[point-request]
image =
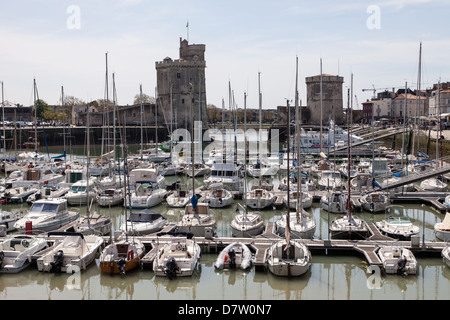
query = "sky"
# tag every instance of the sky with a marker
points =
(63, 44)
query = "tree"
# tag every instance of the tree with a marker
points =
(145, 99)
(43, 111)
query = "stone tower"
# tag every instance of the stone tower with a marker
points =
(185, 77)
(332, 102)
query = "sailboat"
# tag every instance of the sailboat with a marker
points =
(197, 218)
(289, 257)
(258, 197)
(348, 226)
(302, 225)
(245, 223)
(122, 255)
(89, 223)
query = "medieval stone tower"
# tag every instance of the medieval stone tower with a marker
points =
(332, 101)
(184, 81)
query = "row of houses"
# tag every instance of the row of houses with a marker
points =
(406, 104)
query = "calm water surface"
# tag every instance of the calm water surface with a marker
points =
(341, 277)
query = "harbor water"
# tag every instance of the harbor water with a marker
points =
(331, 277)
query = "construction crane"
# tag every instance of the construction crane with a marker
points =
(375, 91)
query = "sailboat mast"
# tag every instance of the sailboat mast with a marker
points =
(3, 123)
(297, 129)
(321, 105)
(438, 113)
(260, 126)
(64, 126)
(245, 151)
(287, 232)
(348, 153)
(142, 114)
(35, 117)
(87, 166)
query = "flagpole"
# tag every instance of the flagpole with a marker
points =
(187, 27)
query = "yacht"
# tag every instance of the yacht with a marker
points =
(178, 257)
(228, 174)
(397, 260)
(259, 198)
(334, 202)
(375, 202)
(330, 179)
(147, 194)
(398, 227)
(47, 215)
(143, 222)
(288, 258)
(16, 250)
(218, 197)
(73, 253)
(197, 219)
(82, 192)
(246, 224)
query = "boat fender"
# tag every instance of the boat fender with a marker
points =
(30, 166)
(225, 258)
(130, 255)
(2, 257)
(68, 167)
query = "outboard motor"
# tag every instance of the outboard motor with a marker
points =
(232, 257)
(121, 265)
(57, 263)
(2, 257)
(172, 268)
(401, 263)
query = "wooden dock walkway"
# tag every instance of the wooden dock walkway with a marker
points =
(259, 245)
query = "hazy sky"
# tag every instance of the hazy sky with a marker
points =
(63, 43)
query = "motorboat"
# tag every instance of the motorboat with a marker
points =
(259, 198)
(302, 225)
(9, 218)
(147, 194)
(288, 258)
(294, 199)
(73, 253)
(47, 215)
(178, 257)
(113, 181)
(397, 260)
(17, 194)
(16, 252)
(35, 176)
(48, 191)
(442, 229)
(246, 223)
(197, 219)
(143, 222)
(398, 227)
(218, 197)
(110, 197)
(82, 192)
(375, 202)
(234, 255)
(167, 168)
(334, 202)
(122, 256)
